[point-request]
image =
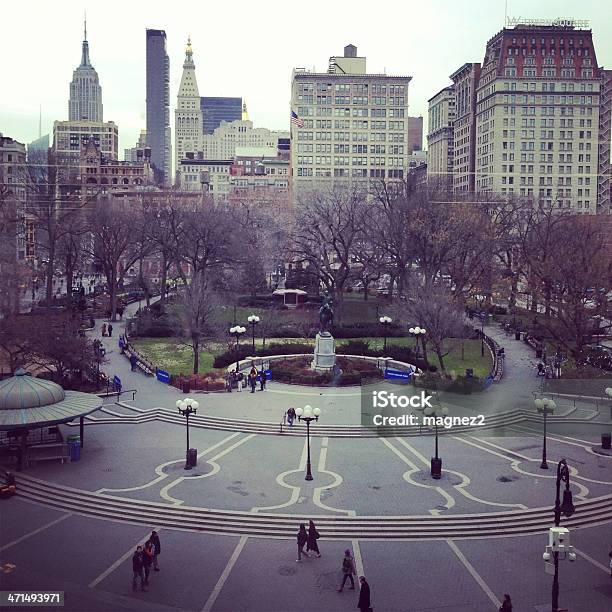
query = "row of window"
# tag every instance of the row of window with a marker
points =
(346, 148)
(357, 88)
(341, 160)
(567, 73)
(394, 173)
(344, 136)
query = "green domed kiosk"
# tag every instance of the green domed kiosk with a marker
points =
(28, 403)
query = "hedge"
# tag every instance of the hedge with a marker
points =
(297, 371)
(275, 348)
(460, 384)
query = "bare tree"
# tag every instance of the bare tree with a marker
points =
(115, 246)
(198, 309)
(328, 227)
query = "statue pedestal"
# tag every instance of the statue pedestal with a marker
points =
(324, 355)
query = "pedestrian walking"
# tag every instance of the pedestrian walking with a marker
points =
(313, 536)
(110, 330)
(302, 538)
(506, 604)
(133, 361)
(147, 560)
(104, 330)
(291, 416)
(137, 568)
(253, 379)
(154, 539)
(348, 569)
(364, 595)
(610, 555)
(239, 379)
(262, 379)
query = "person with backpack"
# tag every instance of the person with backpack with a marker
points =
(364, 595)
(302, 538)
(291, 416)
(506, 604)
(154, 539)
(348, 569)
(262, 379)
(313, 536)
(137, 568)
(147, 560)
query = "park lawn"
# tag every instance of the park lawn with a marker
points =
(172, 355)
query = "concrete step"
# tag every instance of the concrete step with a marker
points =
(592, 512)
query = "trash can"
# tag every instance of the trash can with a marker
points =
(186, 386)
(192, 457)
(436, 468)
(74, 444)
(517, 335)
(606, 439)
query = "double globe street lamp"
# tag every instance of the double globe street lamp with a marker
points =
(237, 331)
(385, 321)
(187, 407)
(544, 406)
(253, 320)
(418, 332)
(308, 414)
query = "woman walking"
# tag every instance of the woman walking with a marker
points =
(313, 536)
(348, 570)
(302, 538)
(506, 604)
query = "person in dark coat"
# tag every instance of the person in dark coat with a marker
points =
(253, 379)
(506, 604)
(302, 538)
(262, 380)
(313, 536)
(147, 560)
(364, 595)
(154, 539)
(348, 570)
(110, 330)
(137, 568)
(291, 416)
(133, 361)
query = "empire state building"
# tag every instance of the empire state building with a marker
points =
(85, 102)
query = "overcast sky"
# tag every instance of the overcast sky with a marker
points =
(246, 48)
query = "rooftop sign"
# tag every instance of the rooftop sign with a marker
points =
(558, 22)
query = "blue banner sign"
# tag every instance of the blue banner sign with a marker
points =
(162, 376)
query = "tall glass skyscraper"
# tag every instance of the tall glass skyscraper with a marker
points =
(218, 109)
(158, 106)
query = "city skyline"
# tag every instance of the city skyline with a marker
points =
(395, 46)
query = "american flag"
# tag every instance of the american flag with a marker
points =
(296, 120)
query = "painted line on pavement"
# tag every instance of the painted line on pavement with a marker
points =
(212, 598)
(592, 561)
(36, 531)
(358, 558)
(96, 581)
(477, 577)
(310, 394)
(280, 480)
(338, 480)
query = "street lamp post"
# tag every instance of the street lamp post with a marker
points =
(436, 462)
(385, 322)
(544, 406)
(418, 332)
(558, 537)
(481, 300)
(609, 394)
(187, 407)
(253, 320)
(237, 331)
(308, 414)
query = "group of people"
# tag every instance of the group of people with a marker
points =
(107, 330)
(235, 379)
(143, 559)
(309, 539)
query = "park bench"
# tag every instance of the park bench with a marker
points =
(48, 452)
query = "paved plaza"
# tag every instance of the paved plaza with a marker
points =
(228, 526)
